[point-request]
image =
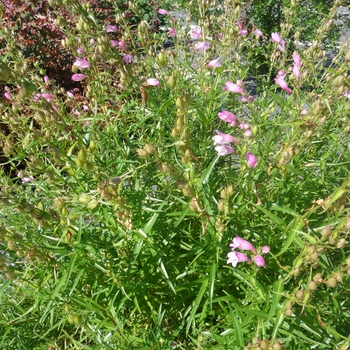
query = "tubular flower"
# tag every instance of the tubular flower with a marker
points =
(172, 32)
(282, 84)
(228, 117)
(232, 87)
(78, 77)
(152, 82)
(224, 150)
(235, 257)
(251, 159)
(195, 32)
(259, 260)
(241, 243)
(81, 63)
(110, 28)
(223, 139)
(163, 12)
(214, 63)
(201, 46)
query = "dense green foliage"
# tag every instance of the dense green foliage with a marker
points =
(117, 211)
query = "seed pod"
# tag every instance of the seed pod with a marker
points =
(300, 294)
(150, 149)
(312, 285)
(142, 153)
(318, 278)
(332, 282)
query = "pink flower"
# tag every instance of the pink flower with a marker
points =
(172, 32)
(281, 73)
(228, 117)
(251, 159)
(46, 79)
(86, 108)
(245, 100)
(152, 81)
(235, 257)
(243, 32)
(222, 139)
(122, 45)
(47, 97)
(81, 63)
(235, 88)
(282, 84)
(55, 107)
(92, 41)
(244, 126)
(265, 249)
(296, 71)
(163, 12)
(127, 59)
(259, 260)
(70, 94)
(80, 51)
(201, 46)
(214, 63)
(257, 32)
(195, 32)
(224, 150)
(37, 97)
(241, 243)
(297, 60)
(114, 43)
(347, 93)
(25, 179)
(248, 133)
(78, 77)
(7, 93)
(276, 38)
(110, 28)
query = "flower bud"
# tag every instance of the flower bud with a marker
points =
(94, 203)
(84, 198)
(162, 59)
(171, 81)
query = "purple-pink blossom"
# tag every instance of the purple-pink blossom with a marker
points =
(297, 65)
(81, 63)
(228, 117)
(172, 32)
(201, 46)
(279, 80)
(163, 12)
(46, 79)
(152, 81)
(235, 257)
(257, 32)
(222, 139)
(232, 87)
(127, 59)
(195, 32)
(224, 150)
(347, 93)
(241, 243)
(259, 260)
(80, 51)
(251, 159)
(277, 39)
(214, 63)
(47, 97)
(110, 28)
(78, 77)
(70, 94)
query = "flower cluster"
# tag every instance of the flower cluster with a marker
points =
(222, 140)
(234, 257)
